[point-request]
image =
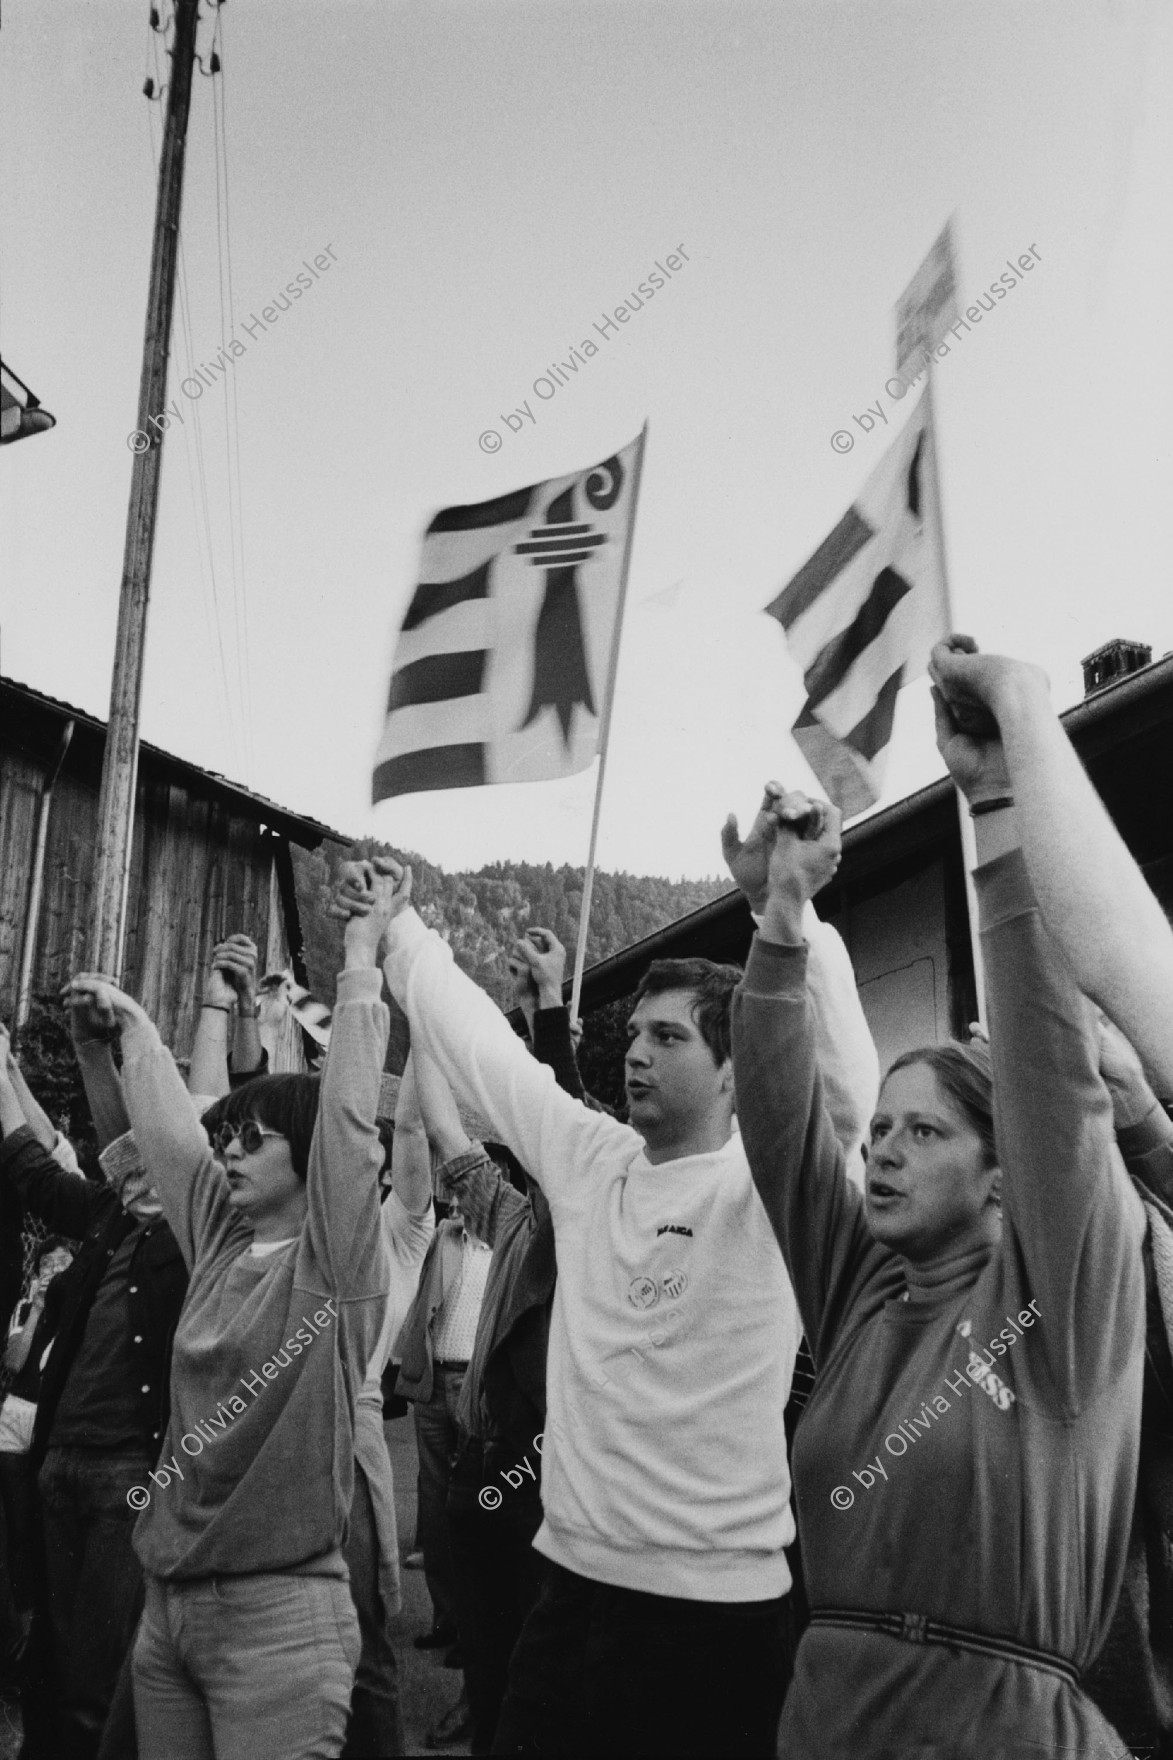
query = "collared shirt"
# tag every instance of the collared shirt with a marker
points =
(456, 1323)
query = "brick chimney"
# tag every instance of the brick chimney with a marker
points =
(1116, 659)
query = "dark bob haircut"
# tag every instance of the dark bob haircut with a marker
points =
(712, 987)
(288, 1104)
(967, 1076)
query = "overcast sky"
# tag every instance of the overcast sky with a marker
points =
(490, 178)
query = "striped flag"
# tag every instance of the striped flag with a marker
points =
(928, 306)
(20, 412)
(503, 660)
(862, 615)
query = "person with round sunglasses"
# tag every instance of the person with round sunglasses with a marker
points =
(249, 1639)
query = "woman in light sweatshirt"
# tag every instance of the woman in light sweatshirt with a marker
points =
(965, 1469)
(249, 1640)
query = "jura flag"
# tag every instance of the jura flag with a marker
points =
(928, 305)
(861, 618)
(503, 660)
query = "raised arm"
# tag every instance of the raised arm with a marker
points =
(93, 1036)
(843, 1043)
(469, 1176)
(346, 1155)
(485, 1063)
(1144, 1130)
(1073, 1223)
(61, 1200)
(542, 958)
(844, 1046)
(1095, 901)
(34, 1114)
(411, 1158)
(167, 1132)
(794, 1155)
(239, 965)
(208, 1073)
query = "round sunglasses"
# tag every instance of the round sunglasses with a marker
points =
(252, 1136)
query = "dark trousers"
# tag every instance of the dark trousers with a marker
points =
(38, 1697)
(94, 1584)
(18, 1494)
(436, 1438)
(600, 1670)
(375, 1727)
(497, 1575)
(120, 1736)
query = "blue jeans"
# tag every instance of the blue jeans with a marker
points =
(94, 1583)
(245, 1668)
(376, 1722)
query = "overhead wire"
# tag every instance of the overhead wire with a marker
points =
(193, 442)
(231, 406)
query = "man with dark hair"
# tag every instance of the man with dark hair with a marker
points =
(711, 987)
(661, 1625)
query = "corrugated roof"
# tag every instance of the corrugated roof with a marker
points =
(281, 818)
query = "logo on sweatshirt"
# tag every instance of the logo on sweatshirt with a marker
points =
(643, 1292)
(674, 1283)
(673, 1228)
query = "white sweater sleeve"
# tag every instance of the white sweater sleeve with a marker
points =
(844, 1047)
(487, 1066)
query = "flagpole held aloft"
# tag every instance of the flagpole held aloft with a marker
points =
(965, 824)
(584, 915)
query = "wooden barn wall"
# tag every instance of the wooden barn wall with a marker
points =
(20, 791)
(198, 873)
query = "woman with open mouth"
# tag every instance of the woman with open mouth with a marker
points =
(965, 1469)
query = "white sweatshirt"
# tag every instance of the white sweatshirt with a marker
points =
(674, 1327)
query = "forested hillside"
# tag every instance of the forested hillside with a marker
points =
(481, 914)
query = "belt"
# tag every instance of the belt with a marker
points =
(448, 1363)
(917, 1628)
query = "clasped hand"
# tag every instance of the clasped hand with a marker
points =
(793, 848)
(370, 895)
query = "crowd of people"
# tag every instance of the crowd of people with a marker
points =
(796, 1411)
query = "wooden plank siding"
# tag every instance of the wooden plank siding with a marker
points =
(206, 861)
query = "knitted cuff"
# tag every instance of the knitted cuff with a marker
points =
(119, 1159)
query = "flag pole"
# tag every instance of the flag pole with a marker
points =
(584, 915)
(965, 823)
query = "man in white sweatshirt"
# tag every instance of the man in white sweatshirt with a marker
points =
(662, 1625)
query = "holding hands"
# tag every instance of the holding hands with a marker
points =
(232, 976)
(371, 894)
(793, 849)
(537, 965)
(91, 1020)
(98, 1008)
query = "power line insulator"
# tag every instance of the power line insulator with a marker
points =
(154, 17)
(214, 64)
(148, 88)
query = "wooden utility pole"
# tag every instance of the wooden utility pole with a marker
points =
(120, 764)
